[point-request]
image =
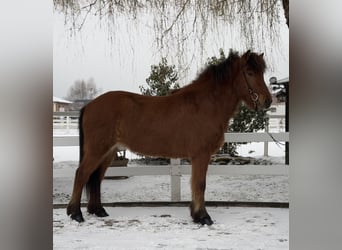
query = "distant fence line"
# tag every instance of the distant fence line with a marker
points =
(175, 170)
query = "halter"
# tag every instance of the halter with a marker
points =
(254, 96)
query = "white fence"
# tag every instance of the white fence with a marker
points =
(176, 170)
(68, 122)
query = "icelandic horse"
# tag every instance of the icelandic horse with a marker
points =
(189, 123)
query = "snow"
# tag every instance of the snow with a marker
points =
(60, 100)
(234, 228)
(171, 228)
(157, 188)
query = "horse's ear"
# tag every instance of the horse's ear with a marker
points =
(262, 55)
(247, 54)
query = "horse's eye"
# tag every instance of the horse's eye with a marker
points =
(250, 73)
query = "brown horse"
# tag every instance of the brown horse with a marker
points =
(189, 123)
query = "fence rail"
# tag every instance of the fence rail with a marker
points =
(175, 170)
(72, 140)
(69, 121)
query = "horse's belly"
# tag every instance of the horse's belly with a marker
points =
(172, 145)
(159, 148)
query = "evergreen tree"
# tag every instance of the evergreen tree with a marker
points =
(162, 80)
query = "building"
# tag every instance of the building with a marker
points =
(279, 89)
(60, 105)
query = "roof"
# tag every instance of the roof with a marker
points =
(286, 79)
(60, 100)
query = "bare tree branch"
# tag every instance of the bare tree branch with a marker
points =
(191, 21)
(177, 17)
(89, 7)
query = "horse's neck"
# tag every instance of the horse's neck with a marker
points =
(229, 102)
(223, 96)
(223, 99)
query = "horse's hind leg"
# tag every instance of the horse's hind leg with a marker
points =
(94, 188)
(198, 211)
(83, 172)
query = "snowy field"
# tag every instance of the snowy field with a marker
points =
(235, 228)
(171, 228)
(157, 188)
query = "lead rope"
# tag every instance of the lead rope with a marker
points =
(278, 143)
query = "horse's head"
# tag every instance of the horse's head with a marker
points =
(250, 81)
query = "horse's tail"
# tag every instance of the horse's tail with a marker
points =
(81, 135)
(94, 177)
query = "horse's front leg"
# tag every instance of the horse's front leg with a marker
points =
(198, 183)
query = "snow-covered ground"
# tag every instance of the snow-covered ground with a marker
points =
(171, 227)
(157, 188)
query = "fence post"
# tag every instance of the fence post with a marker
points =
(175, 180)
(68, 124)
(266, 143)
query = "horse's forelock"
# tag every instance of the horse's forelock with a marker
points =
(256, 62)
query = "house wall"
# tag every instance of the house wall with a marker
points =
(60, 107)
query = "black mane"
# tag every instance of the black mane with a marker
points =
(222, 71)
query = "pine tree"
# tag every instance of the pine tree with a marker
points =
(162, 80)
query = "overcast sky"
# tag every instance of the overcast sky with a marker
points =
(125, 63)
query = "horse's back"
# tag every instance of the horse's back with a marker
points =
(133, 111)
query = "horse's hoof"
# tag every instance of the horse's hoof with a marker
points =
(101, 213)
(77, 217)
(206, 221)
